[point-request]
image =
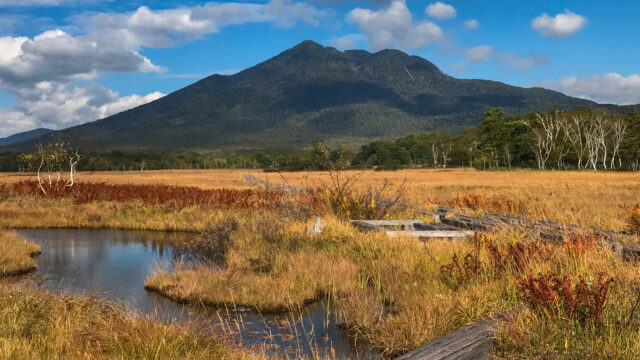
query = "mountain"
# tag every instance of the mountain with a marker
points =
(23, 136)
(313, 92)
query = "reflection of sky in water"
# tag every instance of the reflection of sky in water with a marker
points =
(114, 265)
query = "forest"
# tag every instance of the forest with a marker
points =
(581, 139)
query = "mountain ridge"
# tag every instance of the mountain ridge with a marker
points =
(312, 92)
(24, 136)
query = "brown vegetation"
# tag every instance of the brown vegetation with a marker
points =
(555, 293)
(40, 325)
(162, 195)
(17, 256)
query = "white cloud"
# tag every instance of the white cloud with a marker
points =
(560, 25)
(126, 102)
(165, 28)
(440, 10)
(480, 53)
(471, 24)
(60, 106)
(347, 42)
(611, 88)
(57, 56)
(41, 71)
(393, 27)
(484, 53)
(523, 64)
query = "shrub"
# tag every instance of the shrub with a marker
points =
(553, 293)
(215, 243)
(374, 203)
(576, 244)
(516, 256)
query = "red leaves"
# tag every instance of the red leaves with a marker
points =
(556, 294)
(578, 245)
(161, 195)
(517, 255)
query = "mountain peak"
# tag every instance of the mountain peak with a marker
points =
(312, 92)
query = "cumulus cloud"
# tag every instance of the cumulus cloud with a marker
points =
(610, 88)
(560, 25)
(440, 10)
(57, 56)
(165, 28)
(471, 24)
(484, 53)
(41, 70)
(60, 106)
(393, 27)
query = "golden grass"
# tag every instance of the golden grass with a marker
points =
(39, 325)
(595, 199)
(17, 256)
(537, 334)
(388, 291)
(206, 179)
(392, 293)
(28, 212)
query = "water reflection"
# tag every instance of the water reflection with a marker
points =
(113, 265)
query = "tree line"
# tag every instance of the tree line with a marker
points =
(578, 139)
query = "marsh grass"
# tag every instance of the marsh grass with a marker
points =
(35, 324)
(17, 256)
(392, 292)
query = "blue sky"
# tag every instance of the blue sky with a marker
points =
(65, 62)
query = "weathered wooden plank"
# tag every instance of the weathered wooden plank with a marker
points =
(473, 341)
(433, 234)
(376, 225)
(393, 222)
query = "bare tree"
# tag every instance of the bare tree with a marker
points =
(56, 158)
(574, 129)
(618, 131)
(74, 159)
(545, 128)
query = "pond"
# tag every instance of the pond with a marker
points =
(114, 264)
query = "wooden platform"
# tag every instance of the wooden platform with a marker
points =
(473, 341)
(413, 228)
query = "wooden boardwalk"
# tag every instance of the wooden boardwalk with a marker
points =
(412, 228)
(473, 341)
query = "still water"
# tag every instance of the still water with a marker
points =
(114, 264)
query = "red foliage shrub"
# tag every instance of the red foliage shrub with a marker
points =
(557, 294)
(161, 195)
(579, 244)
(516, 256)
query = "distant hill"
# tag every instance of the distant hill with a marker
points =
(313, 92)
(23, 136)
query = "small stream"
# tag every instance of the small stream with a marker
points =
(114, 264)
